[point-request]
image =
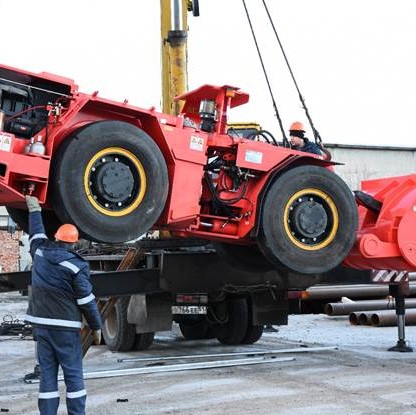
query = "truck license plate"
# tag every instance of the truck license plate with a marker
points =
(189, 309)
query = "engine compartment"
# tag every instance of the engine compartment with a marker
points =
(24, 100)
(25, 112)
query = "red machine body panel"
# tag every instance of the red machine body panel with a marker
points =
(215, 184)
(184, 145)
(386, 238)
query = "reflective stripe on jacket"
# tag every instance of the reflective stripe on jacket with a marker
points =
(61, 290)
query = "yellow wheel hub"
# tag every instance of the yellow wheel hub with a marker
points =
(311, 219)
(114, 181)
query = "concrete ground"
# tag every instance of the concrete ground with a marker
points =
(358, 378)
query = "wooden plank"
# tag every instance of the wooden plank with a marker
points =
(105, 307)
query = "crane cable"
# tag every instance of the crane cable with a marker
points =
(317, 136)
(285, 140)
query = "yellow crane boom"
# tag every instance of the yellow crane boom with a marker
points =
(174, 32)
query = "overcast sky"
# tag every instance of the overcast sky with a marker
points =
(354, 60)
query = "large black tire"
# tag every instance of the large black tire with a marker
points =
(195, 327)
(109, 179)
(118, 334)
(21, 217)
(244, 258)
(309, 220)
(193, 332)
(233, 331)
(253, 334)
(143, 341)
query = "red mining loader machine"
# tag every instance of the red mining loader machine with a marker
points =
(117, 171)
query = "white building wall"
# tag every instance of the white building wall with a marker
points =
(361, 163)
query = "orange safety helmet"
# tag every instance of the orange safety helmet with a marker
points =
(67, 233)
(297, 126)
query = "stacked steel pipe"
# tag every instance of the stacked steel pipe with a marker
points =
(380, 313)
(376, 312)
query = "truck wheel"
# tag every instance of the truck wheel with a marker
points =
(194, 327)
(21, 217)
(309, 220)
(143, 341)
(118, 334)
(253, 333)
(243, 258)
(110, 180)
(233, 331)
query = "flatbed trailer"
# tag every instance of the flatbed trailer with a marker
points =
(188, 283)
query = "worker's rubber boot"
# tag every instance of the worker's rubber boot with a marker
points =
(270, 329)
(48, 403)
(35, 375)
(75, 404)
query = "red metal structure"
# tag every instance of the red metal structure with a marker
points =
(386, 236)
(116, 171)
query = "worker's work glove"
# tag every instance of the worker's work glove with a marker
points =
(33, 204)
(96, 337)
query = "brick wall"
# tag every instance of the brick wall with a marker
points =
(9, 251)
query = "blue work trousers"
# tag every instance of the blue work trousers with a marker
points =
(60, 348)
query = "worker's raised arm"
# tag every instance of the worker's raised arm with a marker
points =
(37, 233)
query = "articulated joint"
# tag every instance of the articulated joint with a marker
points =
(177, 37)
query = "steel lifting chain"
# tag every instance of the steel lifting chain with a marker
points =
(285, 140)
(317, 136)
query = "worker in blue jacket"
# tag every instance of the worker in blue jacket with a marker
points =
(298, 140)
(61, 294)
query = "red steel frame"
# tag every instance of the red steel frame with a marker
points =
(385, 239)
(184, 148)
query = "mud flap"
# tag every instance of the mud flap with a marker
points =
(150, 313)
